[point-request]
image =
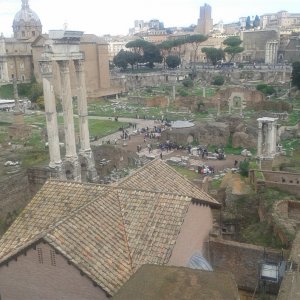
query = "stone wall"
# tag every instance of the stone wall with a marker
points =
(242, 260)
(129, 82)
(212, 133)
(250, 97)
(285, 181)
(14, 196)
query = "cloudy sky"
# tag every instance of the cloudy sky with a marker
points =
(117, 16)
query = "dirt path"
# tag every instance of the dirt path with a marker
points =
(138, 139)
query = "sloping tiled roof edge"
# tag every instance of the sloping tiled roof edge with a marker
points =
(6, 258)
(212, 203)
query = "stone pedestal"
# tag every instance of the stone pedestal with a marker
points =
(71, 155)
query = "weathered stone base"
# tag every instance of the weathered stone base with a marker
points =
(87, 163)
(72, 168)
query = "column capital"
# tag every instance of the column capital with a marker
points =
(63, 66)
(46, 68)
(79, 65)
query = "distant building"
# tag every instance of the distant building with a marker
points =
(280, 20)
(141, 26)
(260, 46)
(20, 55)
(205, 22)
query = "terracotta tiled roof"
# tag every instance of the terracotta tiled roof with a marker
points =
(107, 232)
(152, 224)
(159, 176)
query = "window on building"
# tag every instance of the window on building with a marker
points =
(53, 257)
(23, 33)
(33, 33)
(40, 255)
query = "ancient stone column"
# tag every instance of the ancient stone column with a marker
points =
(272, 138)
(218, 106)
(71, 155)
(259, 139)
(85, 148)
(51, 119)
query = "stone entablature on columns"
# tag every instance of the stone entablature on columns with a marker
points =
(63, 48)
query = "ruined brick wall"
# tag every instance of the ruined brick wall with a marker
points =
(14, 194)
(37, 176)
(116, 158)
(285, 181)
(251, 97)
(242, 260)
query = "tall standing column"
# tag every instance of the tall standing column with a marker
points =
(85, 148)
(51, 120)
(71, 155)
(259, 139)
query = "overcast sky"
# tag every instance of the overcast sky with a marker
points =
(117, 16)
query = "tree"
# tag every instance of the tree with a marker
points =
(137, 46)
(213, 54)
(296, 74)
(173, 61)
(133, 58)
(36, 91)
(165, 49)
(195, 40)
(248, 23)
(152, 55)
(120, 60)
(233, 46)
(256, 22)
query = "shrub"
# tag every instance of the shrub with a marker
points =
(187, 82)
(183, 93)
(218, 80)
(244, 167)
(266, 89)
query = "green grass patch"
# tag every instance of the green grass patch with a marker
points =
(261, 234)
(271, 195)
(6, 91)
(101, 128)
(215, 184)
(34, 157)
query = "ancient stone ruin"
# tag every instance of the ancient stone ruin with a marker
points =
(63, 49)
(267, 137)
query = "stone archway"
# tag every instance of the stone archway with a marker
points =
(236, 101)
(190, 139)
